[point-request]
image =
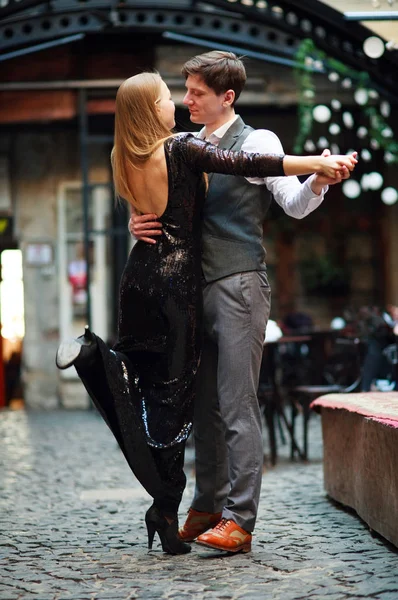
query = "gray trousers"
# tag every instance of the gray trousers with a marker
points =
(227, 424)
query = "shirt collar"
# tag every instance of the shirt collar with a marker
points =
(219, 133)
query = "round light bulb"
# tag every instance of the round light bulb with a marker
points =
(361, 96)
(321, 113)
(373, 94)
(374, 47)
(387, 132)
(385, 109)
(309, 146)
(362, 132)
(366, 155)
(375, 181)
(346, 83)
(351, 188)
(334, 129)
(348, 120)
(322, 142)
(365, 182)
(389, 195)
(389, 157)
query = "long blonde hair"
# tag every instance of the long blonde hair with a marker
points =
(139, 130)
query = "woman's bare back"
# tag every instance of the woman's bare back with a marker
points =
(149, 184)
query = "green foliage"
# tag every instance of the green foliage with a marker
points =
(308, 54)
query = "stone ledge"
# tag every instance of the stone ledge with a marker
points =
(361, 457)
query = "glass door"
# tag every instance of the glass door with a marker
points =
(72, 268)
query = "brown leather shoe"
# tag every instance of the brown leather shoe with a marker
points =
(197, 522)
(228, 536)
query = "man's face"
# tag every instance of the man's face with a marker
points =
(205, 106)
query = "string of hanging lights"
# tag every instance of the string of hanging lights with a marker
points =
(364, 123)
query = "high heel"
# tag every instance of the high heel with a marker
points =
(79, 352)
(168, 532)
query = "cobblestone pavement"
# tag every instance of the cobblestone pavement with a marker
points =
(71, 527)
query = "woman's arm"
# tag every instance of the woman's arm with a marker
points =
(328, 165)
(202, 156)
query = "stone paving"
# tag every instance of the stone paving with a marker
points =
(71, 527)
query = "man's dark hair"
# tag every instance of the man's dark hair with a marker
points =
(220, 71)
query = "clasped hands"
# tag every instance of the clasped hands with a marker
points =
(334, 169)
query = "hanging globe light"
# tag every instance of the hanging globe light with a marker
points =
(373, 94)
(335, 149)
(351, 188)
(309, 146)
(366, 155)
(365, 182)
(374, 144)
(346, 83)
(389, 195)
(336, 104)
(374, 47)
(387, 132)
(321, 113)
(374, 121)
(308, 93)
(322, 142)
(361, 96)
(389, 157)
(333, 76)
(385, 109)
(362, 132)
(375, 180)
(348, 120)
(334, 129)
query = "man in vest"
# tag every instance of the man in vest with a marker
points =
(227, 425)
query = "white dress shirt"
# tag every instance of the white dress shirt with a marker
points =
(297, 199)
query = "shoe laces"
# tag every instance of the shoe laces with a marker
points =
(221, 525)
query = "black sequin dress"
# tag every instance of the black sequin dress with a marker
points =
(145, 387)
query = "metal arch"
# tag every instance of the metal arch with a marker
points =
(102, 16)
(327, 27)
(274, 26)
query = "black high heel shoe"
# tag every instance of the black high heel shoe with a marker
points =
(79, 352)
(168, 532)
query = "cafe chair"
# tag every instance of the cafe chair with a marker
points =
(272, 405)
(342, 374)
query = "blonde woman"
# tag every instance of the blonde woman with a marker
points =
(144, 387)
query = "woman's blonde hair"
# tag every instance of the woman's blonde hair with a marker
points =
(138, 128)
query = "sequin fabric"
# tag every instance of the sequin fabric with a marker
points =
(147, 399)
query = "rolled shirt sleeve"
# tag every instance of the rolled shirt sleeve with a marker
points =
(297, 199)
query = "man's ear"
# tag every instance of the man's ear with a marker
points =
(229, 97)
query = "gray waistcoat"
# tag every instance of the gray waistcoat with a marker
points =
(233, 216)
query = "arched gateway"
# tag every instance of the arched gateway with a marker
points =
(253, 26)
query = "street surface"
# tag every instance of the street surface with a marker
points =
(72, 527)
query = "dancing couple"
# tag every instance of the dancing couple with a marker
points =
(194, 301)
